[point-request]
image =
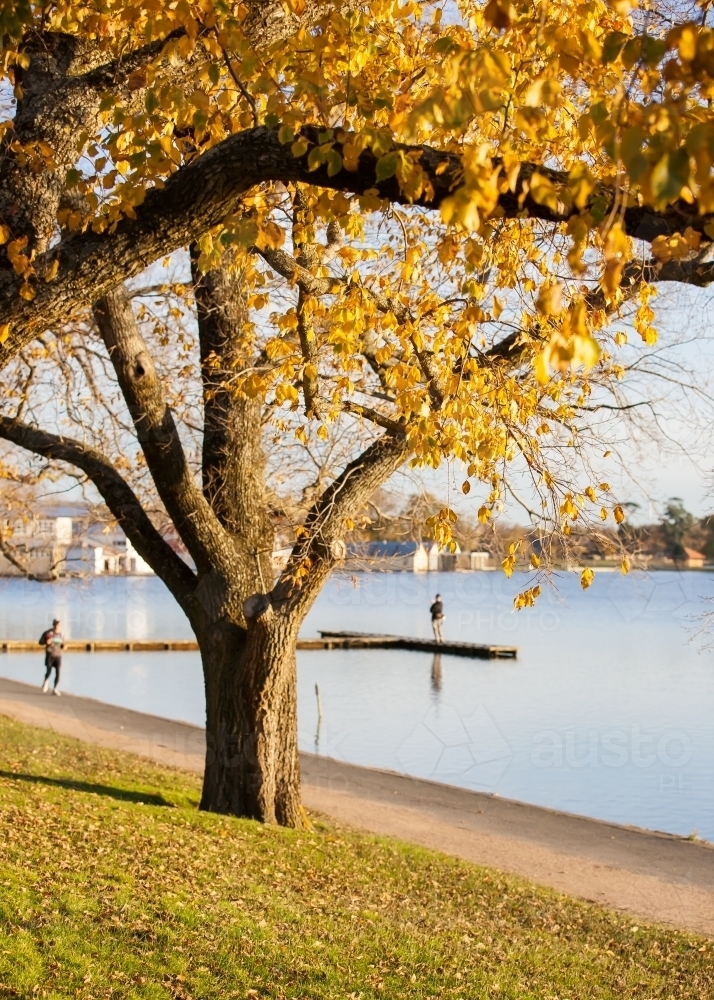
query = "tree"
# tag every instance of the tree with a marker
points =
(456, 215)
(676, 524)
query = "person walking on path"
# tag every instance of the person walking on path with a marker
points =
(437, 617)
(53, 641)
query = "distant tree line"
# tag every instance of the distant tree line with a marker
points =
(396, 517)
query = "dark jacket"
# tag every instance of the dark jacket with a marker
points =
(437, 610)
(52, 641)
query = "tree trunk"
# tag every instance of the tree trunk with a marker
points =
(252, 764)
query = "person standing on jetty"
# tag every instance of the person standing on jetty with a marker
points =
(53, 641)
(437, 617)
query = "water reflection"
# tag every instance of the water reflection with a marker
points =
(436, 673)
(319, 718)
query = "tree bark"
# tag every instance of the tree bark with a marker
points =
(252, 763)
(249, 666)
(233, 459)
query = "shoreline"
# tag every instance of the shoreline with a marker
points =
(372, 568)
(651, 875)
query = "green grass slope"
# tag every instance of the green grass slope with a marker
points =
(112, 885)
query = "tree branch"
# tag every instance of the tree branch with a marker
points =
(63, 88)
(322, 544)
(157, 433)
(287, 267)
(206, 191)
(119, 498)
(309, 284)
(10, 554)
(394, 427)
(308, 346)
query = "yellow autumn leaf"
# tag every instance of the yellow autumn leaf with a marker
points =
(581, 184)
(462, 208)
(499, 14)
(586, 578)
(550, 299)
(544, 192)
(527, 598)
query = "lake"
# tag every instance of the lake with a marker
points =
(607, 711)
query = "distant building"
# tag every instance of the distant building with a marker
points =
(420, 560)
(694, 559)
(82, 559)
(41, 539)
(113, 554)
(404, 557)
(443, 561)
(388, 556)
(56, 541)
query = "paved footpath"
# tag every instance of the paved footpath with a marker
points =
(649, 875)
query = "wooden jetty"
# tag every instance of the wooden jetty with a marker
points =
(327, 640)
(103, 645)
(366, 640)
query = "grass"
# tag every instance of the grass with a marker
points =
(112, 884)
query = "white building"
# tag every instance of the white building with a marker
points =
(441, 560)
(420, 559)
(39, 540)
(114, 555)
(52, 542)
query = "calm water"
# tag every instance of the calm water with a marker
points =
(606, 712)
